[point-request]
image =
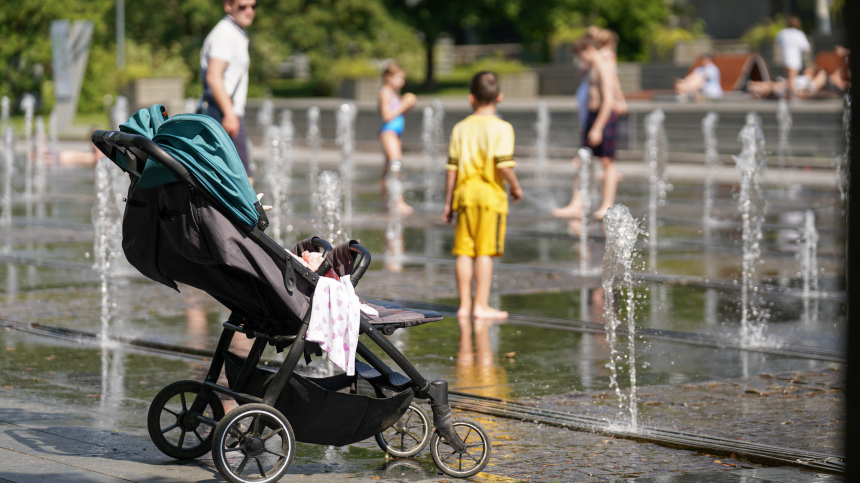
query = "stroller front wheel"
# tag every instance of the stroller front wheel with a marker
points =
(471, 461)
(172, 429)
(408, 436)
(253, 443)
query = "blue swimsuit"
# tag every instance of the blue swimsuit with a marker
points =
(398, 123)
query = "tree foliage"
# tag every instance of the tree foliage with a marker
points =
(165, 36)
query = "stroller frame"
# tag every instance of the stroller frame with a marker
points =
(139, 150)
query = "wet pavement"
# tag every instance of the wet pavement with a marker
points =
(71, 410)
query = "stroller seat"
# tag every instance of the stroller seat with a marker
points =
(393, 316)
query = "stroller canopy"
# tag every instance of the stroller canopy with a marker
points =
(203, 147)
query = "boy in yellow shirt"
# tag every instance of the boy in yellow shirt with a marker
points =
(480, 161)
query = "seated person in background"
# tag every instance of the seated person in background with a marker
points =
(807, 84)
(704, 81)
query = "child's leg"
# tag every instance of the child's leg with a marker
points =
(483, 284)
(610, 186)
(464, 269)
(393, 153)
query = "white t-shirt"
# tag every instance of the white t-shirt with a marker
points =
(228, 42)
(793, 43)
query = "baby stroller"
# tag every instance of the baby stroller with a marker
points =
(191, 217)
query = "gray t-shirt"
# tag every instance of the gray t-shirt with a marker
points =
(228, 42)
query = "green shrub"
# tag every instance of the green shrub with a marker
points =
(763, 33)
(663, 38)
(497, 64)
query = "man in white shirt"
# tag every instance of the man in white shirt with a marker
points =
(224, 63)
(794, 43)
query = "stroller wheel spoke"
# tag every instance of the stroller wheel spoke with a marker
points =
(276, 454)
(171, 412)
(470, 456)
(242, 465)
(233, 450)
(260, 467)
(460, 459)
(172, 426)
(182, 398)
(181, 438)
(449, 456)
(266, 437)
(467, 435)
(402, 441)
(255, 426)
(413, 438)
(199, 438)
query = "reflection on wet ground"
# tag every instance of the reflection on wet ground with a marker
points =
(49, 279)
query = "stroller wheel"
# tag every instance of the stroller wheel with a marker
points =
(173, 429)
(468, 463)
(408, 436)
(253, 443)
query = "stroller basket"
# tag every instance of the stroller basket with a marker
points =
(323, 410)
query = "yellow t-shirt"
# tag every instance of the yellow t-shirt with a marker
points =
(480, 146)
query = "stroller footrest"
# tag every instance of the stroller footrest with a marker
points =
(375, 377)
(393, 316)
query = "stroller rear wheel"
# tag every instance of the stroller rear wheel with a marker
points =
(471, 461)
(253, 443)
(408, 436)
(175, 431)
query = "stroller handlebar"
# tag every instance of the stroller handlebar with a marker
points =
(108, 141)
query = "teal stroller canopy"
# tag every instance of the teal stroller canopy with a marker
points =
(204, 148)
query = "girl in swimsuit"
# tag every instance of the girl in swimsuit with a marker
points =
(392, 108)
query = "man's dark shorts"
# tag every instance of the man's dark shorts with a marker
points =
(607, 148)
(241, 139)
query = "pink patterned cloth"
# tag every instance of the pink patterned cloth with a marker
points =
(335, 319)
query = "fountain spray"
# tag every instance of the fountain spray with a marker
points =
(287, 132)
(274, 166)
(40, 174)
(430, 155)
(656, 158)
(584, 155)
(8, 171)
(752, 206)
(541, 150)
(346, 140)
(712, 160)
(327, 204)
(622, 232)
(28, 105)
(313, 140)
(394, 230)
(808, 254)
(783, 145)
(844, 159)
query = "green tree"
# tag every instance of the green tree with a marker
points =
(25, 30)
(329, 31)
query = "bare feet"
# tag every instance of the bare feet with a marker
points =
(405, 210)
(489, 313)
(465, 311)
(573, 210)
(598, 215)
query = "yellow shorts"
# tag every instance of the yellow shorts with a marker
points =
(480, 231)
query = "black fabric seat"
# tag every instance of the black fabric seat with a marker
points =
(393, 316)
